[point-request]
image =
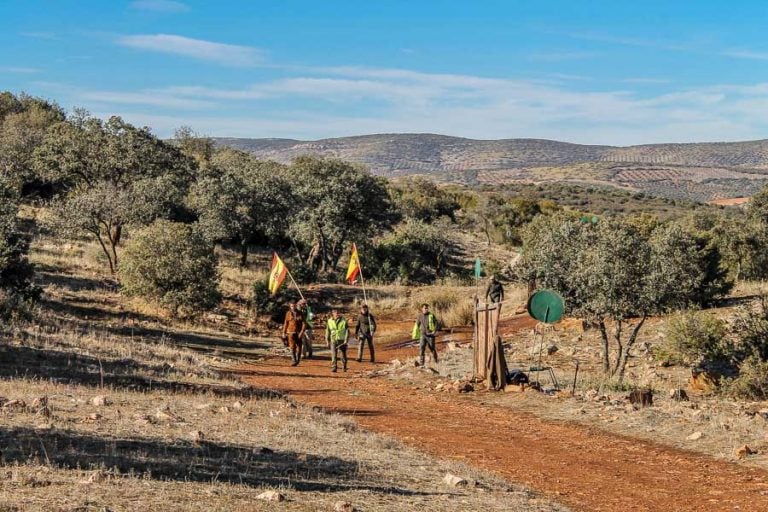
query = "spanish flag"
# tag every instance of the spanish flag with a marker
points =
(354, 266)
(276, 274)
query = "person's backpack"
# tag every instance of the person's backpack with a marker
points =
(517, 376)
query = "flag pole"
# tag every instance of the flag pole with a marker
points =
(294, 283)
(365, 297)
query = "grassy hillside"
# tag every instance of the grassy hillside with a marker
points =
(700, 172)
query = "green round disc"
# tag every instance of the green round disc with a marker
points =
(546, 306)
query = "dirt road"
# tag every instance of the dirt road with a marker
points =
(583, 467)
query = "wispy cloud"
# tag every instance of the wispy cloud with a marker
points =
(159, 6)
(225, 54)
(561, 56)
(646, 80)
(629, 41)
(21, 70)
(315, 103)
(148, 98)
(745, 54)
(40, 35)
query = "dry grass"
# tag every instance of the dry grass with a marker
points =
(177, 433)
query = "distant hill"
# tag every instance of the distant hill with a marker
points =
(698, 171)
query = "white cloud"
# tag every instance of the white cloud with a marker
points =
(646, 80)
(21, 70)
(40, 35)
(142, 98)
(561, 56)
(338, 101)
(226, 54)
(745, 54)
(159, 6)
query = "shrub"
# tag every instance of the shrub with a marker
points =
(752, 382)
(694, 337)
(750, 328)
(264, 303)
(17, 289)
(172, 264)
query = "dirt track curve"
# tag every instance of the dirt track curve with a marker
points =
(580, 466)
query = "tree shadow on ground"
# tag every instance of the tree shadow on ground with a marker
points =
(128, 324)
(47, 275)
(72, 368)
(185, 461)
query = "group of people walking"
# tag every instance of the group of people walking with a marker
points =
(299, 322)
(298, 334)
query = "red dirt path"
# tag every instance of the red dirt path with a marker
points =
(580, 466)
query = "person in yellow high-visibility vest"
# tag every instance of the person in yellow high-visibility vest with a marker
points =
(337, 337)
(425, 330)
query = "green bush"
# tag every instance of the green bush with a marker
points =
(264, 303)
(17, 289)
(752, 381)
(174, 265)
(694, 337)
(750, 328)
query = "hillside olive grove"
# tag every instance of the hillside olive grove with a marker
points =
(110, 182)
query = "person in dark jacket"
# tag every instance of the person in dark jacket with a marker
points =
(495, 290)
(309, 318)
(293, 330)
(366, 326)
(425, 330)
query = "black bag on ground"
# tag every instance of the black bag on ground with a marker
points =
(517, 376)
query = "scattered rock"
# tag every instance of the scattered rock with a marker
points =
(100, 401)
(552, 349)
(678, 395)
(343, 506)
(451, 346)
(41, 401)
(396, 363)
(238, 405)
(97, 477)
(165, 414)
(15, 405)
(695, 436)
(142, 419)
(263, 450)
(94, 416)
(591, 394)
(271, 496)
(703, 380)
(744, 451)
(196, 436)
(465, 387)
(217, 319)
(200, 407)
(454, 481)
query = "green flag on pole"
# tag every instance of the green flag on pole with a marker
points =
(478, 268)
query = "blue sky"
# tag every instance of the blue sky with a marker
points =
(599, 72)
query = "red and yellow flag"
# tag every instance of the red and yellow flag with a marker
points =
(354, 265)
(276, 274)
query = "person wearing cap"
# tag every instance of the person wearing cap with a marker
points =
(366, 326)
(425, 330)
(495, 290)
(337, 337)
(309, 317)
(293, 330)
